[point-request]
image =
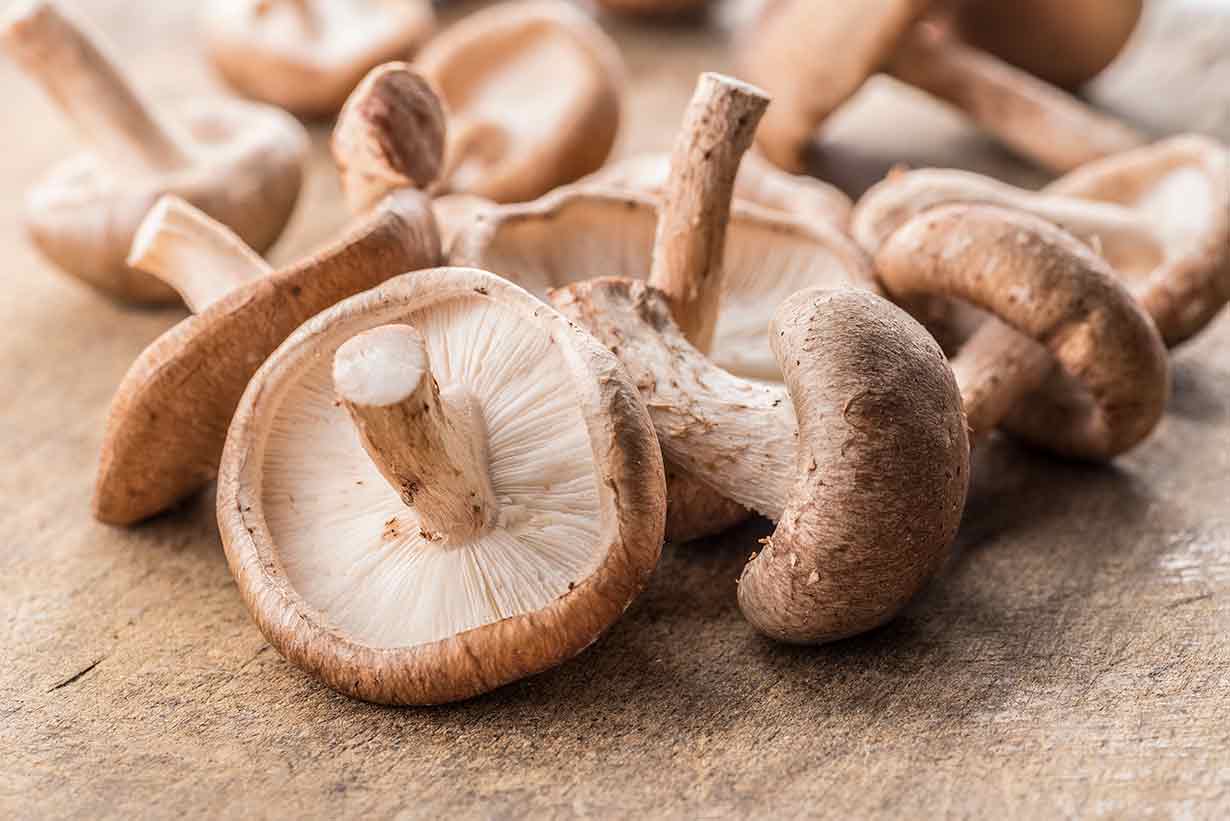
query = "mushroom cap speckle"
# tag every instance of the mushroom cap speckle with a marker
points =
(584, 232)
(509, 146)
(330, 560)
(167, 423)
(270, 55)
(247, 171)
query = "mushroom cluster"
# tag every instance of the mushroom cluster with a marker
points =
(450, 445)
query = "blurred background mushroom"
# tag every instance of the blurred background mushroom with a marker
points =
(306, 55)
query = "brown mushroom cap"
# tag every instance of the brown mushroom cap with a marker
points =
(507, 145)
(1049, 287)
(861, 457)
(1160, 215)
(856, 39)
(759, 183)
(584, 232)
(240, 163)
(307, 55)
(654, 8)
(168, 420)
(328, 557)
(1065, 42)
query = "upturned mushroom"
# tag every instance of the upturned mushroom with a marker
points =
(307, 55)
(1160, 215)
(588, 231)
(241, 163)
(438, 487)
(1053, 302)
(533, 92)
(167, 423)
(814, 59)
(1065, 42)
(758, 183)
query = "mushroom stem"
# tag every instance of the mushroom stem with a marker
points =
(431, 447)
(1032, 117)
(389, 136)
(195, 254)
(687, 255)
(996, 368)
(82, 79)
(302, 8)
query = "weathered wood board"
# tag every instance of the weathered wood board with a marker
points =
(1074, 660)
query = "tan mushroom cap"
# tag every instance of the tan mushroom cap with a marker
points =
(861, 457)
(330, 559)
(1066, 42)
(307, 55)
(1048, 287)
(759, 183)
(788, 34)
(585, 232)
(533, 91)
(168, 420)
(1160, 215)
(240, 163)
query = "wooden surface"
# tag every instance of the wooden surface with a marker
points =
(1074, 660)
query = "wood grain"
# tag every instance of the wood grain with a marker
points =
(1074, 660)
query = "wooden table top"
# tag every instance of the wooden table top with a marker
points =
(1074, 658)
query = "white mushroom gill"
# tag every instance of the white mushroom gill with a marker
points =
(352, 549)
(592, 236)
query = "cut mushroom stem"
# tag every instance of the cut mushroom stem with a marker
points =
(195, 254)
(430, 447)
(88, 87)
(1030, 116)
(390, 135)
(718, 128)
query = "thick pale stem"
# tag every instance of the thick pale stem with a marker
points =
(431, 448)
(76, 72)
(195, 254)
(687, 256)
(996, 368)
(1034, 118)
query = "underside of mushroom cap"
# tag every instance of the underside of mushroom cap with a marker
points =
(269, 52)
(329, 558)
(759, 183)
(1181, 188)
(585, 232)
(867, 491)
(508, 146)
(247, 173)
(167, 423)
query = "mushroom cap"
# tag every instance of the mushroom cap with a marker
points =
(272, 56)
(246, 173)
(1160, 215)
(784, 39)
(1052, 288)
(508, 145)
(861, 457)
(1065, 42)
(1181, 187)
(584, 232)
(654, 8)
(168, 420)
(329, 558)
(759, 182)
